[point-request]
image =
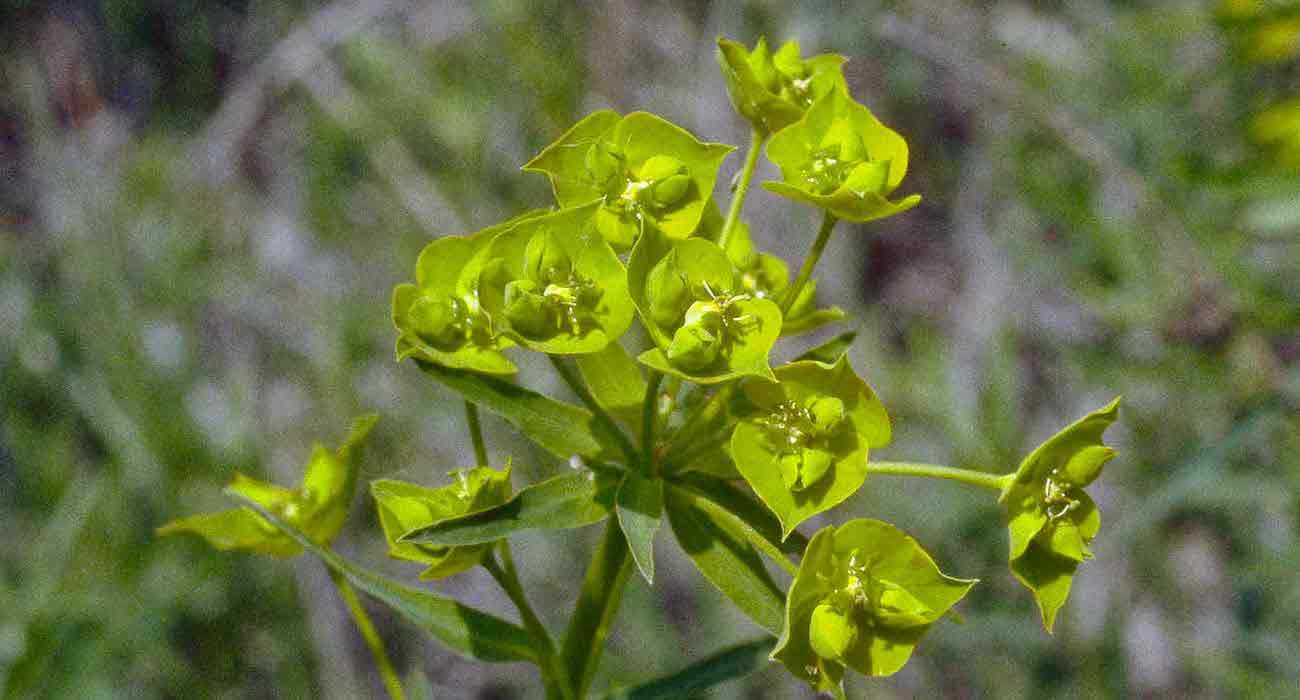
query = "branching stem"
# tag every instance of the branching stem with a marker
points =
(810, 262)
(476, 434)
(650, 419)
(934, 471)
(756, 139)
(552, 667)
(574, 383)
(370, 635)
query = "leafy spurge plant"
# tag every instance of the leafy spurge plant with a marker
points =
(697, 428)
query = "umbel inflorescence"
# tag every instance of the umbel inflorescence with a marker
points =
(696, 428)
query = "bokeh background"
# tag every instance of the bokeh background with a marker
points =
(204, 205)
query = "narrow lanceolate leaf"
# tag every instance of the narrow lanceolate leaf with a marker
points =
(723, 555)
(737, 662)
(745, 507)
(560, 428)
(830, 351)
(615, 379)
(640, 510)
(463, 629)
(560, 503)
(756, 522)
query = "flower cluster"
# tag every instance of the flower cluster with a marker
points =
(635, 233)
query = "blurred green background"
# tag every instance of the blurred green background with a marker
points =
(205, 204)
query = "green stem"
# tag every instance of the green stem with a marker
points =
(810, 262)
(602, 591)
(606, 421)
(649, 419)
(700, 420)
(756, 138)
(553, 670)
(934, 471)
(476, 434)
(370, 635)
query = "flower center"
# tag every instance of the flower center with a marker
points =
(827, 170)
(1057, 501)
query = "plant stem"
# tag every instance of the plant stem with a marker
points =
(370, 635)
(810, 262)
(756, 138)
(602, 591)
(557, 677)
(649, 419)
(700, 420)
(476, 434)
(606, 421)
(934, 471)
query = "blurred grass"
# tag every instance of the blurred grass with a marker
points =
(178, 301)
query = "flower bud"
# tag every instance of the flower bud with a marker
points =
(667, 292)
(790, 463)
(545, 260)
(659, 168)
(693, 348)
(815, 465)
(527, 310)
(438, 321)
(1085, 465)
(618, 226)
(670, 190)
(830, 632)
(895, 607)
(604, 161)
(826, 412)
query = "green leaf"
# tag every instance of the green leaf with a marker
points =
(580, 307)
(830, 351)
(602, 591)
(736, 662)
(1050, 518)
(640, 509)
(840, 158)
(331, 479)
(883, 592)
(238, 528)
(616, 382)
(747, 517)
(722, 553)
(319, 506)
(756, 517)
(559, 503)
(560, 428)
(773, 91)
(1048, 576)
(565, 161)
(812, 320)
(462, 629)
(404, 507)
(762, 450)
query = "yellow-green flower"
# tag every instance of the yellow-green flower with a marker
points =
(864, 595)
(772, 90)
(317, 507)
(404, 507)
(1051, 519)
(840, 158)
